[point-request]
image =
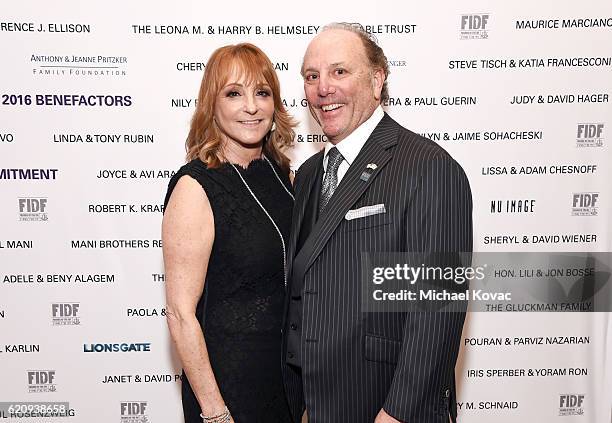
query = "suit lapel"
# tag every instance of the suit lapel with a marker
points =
(311, 213)
(302, 197)
(350, 189)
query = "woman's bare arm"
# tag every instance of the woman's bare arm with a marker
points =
(188, 233)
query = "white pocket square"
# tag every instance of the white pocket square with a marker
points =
(365, 211)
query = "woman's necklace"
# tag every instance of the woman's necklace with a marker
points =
(266, 212)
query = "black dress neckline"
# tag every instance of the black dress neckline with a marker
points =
(253, 165)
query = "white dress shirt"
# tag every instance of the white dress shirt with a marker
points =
(351, 145)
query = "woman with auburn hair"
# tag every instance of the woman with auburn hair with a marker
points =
(225, 232)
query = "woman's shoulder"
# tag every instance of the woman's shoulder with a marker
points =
(211, 180)
(201, 172)
(195, 167)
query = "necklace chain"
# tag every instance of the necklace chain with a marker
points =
(279, 179)
(268, 214)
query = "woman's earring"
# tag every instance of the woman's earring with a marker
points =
(273, 128)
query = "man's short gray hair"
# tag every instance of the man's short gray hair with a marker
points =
(374, 52)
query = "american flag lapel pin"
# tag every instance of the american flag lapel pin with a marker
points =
(368, 172)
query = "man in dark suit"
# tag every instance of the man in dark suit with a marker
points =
(376, 187)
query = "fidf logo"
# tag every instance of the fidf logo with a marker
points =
(474, 26)
(33, 209)
(585, 203)
(589, 135)
(41, 381)
(571, 405)
(65, 314)
(134, 412)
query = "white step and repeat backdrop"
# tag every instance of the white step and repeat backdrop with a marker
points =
(95, 103)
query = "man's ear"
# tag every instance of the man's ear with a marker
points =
(378, 79)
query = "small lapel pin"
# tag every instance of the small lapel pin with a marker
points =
(368, 172)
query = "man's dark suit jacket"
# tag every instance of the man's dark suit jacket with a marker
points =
(354, 363)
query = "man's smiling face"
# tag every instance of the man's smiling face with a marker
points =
(341, 87)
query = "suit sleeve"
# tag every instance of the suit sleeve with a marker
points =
(438, 219)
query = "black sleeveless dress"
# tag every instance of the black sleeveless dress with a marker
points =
(241, 308)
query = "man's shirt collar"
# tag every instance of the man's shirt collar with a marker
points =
(351, 145)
